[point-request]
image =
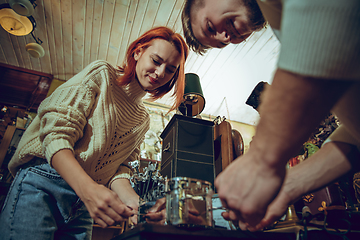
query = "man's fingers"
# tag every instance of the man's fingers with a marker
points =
(122, 210)
(112, 215)
(159, 205)
(242, 226)
(100, 222)
(156, 216)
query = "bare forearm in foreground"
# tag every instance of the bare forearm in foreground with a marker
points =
(291, 109)
(324, 167)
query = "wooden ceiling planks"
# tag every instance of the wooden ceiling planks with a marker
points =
(75, 33)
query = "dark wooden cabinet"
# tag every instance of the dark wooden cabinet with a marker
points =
(188, 148)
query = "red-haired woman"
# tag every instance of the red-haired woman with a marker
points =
(71, 163)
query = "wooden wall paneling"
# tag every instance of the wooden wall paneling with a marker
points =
(96, 30)
(202, 60)
(128, 28)
(147, 19)
(117, 30)
(262, 40)
(208, 61)
(271, 49)
(138, 21)
(9, 52)
(78, 14)
(17, 49)
(89, 17)
(40, 33)
(50, 36)
(67, 31)
(248, 46)
(106, 23)
(35, 63)
(178, 24)
(27, 63)
(212, 72)
(190, 62)
(175, 14)
(58, 38)
(228, 54)
(164, 13)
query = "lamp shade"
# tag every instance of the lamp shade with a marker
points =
(194, 100)
(22, 7)
(14, 23)
(35, 50)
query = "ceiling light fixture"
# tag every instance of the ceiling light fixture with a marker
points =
(15, 19)
(23, 7)
(35, 49)
(14, 23)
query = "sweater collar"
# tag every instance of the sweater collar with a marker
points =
(134, 90)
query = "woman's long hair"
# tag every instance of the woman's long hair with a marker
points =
(144, 41)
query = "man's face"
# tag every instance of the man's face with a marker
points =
(219, 23)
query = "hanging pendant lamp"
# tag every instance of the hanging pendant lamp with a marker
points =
(14, 23)
(22, 7)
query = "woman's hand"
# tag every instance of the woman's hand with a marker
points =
(127, 195)
(104, 205)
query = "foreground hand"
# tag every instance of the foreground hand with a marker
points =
(104, 205)
(246, 187)
(157, 214)
(274, 212)
(194, 216)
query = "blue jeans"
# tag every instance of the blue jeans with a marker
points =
(41, 205)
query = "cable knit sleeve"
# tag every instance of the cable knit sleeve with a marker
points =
(63, 115)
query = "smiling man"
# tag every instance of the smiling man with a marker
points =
(213, 23)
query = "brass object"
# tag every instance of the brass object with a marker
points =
(184, 197)
(308, 198)
(291, 219)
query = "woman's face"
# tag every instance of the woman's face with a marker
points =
(157, 64)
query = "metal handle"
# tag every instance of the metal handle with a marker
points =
(167, 147)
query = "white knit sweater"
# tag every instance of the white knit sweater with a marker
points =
(102, 123)
(319, 38)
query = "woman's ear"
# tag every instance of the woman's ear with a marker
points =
(138, 54)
